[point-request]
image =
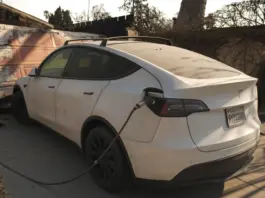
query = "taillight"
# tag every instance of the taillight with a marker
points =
(175, 107)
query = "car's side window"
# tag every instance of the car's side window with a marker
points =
(54, 66)
(84, 64)
(87, 63)
(117, 67)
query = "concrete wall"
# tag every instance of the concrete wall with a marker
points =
(23, 48)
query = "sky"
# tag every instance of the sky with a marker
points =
(169, 7)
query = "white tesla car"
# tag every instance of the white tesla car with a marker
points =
(199, 122)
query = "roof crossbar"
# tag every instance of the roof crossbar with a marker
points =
(83, 39)
(140, 38)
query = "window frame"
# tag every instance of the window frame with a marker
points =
(48, 58)
(137, 67)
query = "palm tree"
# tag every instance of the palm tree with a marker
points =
(191, 15)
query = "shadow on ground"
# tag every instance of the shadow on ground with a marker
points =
(44, 155)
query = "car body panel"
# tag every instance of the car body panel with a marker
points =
(215, 134)
(172, 150)
(41, 99)
(120, 97)
(75, 101)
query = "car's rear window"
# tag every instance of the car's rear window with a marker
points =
(179, 61)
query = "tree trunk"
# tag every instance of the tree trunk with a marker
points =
(191, 15)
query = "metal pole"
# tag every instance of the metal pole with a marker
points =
(133, 7)
(88, 10)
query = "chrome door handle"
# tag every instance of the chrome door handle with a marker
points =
(88, 93)
(51, 87)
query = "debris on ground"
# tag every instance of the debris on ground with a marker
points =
(3, 193)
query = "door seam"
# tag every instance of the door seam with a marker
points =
(92, 112)
(55, 102)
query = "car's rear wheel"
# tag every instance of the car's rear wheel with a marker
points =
(19, 108)
(112, 172)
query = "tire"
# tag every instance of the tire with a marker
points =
(19, 109)
(112, 172)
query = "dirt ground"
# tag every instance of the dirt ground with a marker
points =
(3, 193)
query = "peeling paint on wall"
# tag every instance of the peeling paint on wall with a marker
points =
(6, 52)
(5, 37)
(22, 48)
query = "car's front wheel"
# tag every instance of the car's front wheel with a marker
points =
(19, 108)
(112, 172)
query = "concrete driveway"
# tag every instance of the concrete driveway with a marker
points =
(41, 154)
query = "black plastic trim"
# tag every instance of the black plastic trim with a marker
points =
(105, 40)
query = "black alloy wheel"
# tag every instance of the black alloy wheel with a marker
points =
(112, 172)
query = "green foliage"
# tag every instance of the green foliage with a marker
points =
(61, 19)
(147, 19)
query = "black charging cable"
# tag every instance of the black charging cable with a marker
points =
(137, 106)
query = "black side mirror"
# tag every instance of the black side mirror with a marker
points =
(34, 72)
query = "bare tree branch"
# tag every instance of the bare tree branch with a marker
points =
(98, 12)
(245, 13)
(147, 19)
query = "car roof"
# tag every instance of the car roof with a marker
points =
(171, 58)
(166, 56)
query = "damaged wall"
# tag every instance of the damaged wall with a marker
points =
(23, 48)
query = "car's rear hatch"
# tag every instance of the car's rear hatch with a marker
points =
(230, 95)
(232, 118)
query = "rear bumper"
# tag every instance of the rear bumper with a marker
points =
(172, 154)
(215, 171)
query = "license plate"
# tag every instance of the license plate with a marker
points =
(235, 116)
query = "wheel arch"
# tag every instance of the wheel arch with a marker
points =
(94, 121)
(16, 88)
